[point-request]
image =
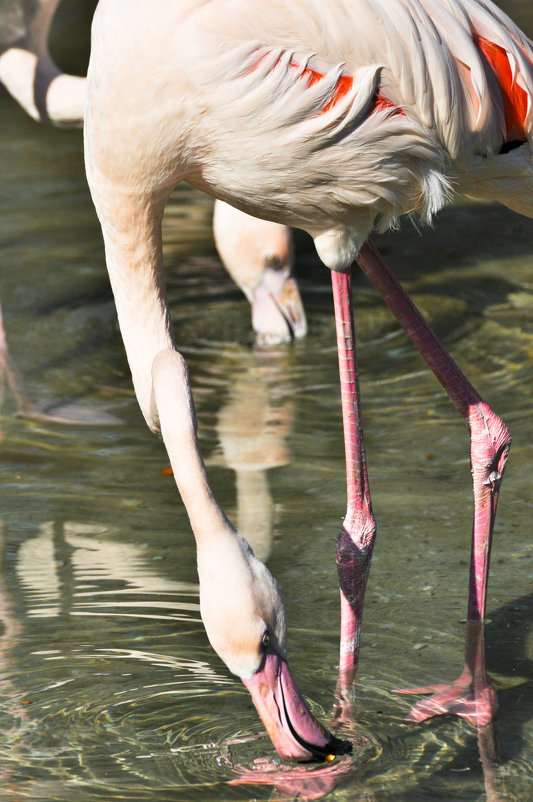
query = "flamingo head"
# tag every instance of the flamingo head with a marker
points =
(243, 614)
(258, 256)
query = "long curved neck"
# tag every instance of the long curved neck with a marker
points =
(131, 225)
(173, 405)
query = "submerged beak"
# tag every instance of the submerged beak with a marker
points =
(295, 733)
(277, 310)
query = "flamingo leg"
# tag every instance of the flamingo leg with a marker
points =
(489, 449)
(7, 367)
(355, 541)
(471, 696)
(75, 414)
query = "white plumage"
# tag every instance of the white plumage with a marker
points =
(235, 112)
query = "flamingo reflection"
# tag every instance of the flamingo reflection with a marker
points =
(252, 428)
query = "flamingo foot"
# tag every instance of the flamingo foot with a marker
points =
(464, 697)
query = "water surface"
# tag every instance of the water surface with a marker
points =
(109, 689)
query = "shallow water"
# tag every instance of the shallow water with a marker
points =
(108, 687)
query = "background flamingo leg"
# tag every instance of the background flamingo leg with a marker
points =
(68, 414)
(470, 696)
(14, 382)
(355, 541)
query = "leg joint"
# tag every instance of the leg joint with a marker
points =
(490, 444)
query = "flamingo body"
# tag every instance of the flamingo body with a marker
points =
(241, 104)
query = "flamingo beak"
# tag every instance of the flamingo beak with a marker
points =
(294, 731)
(277, 310)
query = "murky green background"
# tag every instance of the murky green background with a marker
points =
(108, 687)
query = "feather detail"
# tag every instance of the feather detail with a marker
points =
(357, 111)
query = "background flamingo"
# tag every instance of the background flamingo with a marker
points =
(337, 119)
(257, 254)
(27, 70)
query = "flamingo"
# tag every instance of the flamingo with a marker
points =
(257, 254)
(28, 71)
(337, 118)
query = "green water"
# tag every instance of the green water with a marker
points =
(108, 687)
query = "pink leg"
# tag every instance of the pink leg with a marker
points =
(355, 540)
(492, 762)
(13, 379)
(490, 443)
(471, 696)
(25, 408)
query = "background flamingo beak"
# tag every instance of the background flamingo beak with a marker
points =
(277, 310)
(294, 731)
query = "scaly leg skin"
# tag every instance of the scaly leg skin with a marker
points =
(355, 541)
(470, 696)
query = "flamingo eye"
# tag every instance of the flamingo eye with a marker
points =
(273, 262)
(265, 640)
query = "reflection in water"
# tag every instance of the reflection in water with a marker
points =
(107, 569)
(472, 697)
(252, 427)
(135, 700)
(11, 709)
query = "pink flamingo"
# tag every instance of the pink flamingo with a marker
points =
(334, 117)
(256, 253)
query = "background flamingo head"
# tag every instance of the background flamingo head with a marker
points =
(258, 256)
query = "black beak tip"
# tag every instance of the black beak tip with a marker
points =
(338, 747)
(335, 747)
